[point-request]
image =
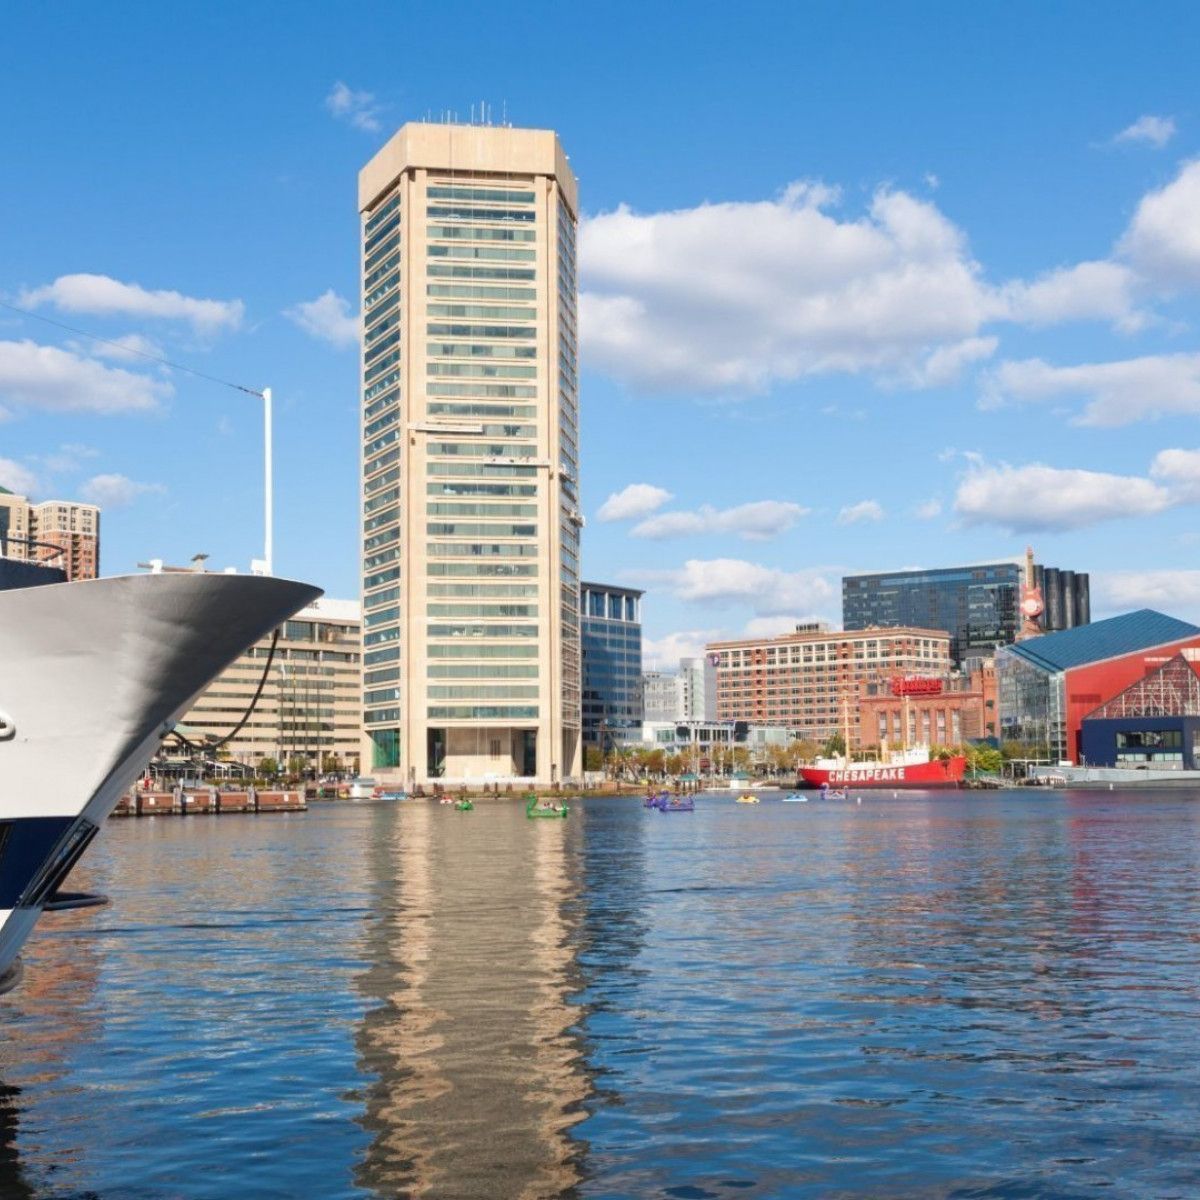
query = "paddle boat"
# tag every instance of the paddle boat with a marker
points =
(655, 799)
(544, 807)
(747, 798)
(828, 793)
(794, 798)
(464, 806)
(444, 799)
(391, 794)
(668, 803)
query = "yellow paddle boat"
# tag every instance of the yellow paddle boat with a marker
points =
(746, 798)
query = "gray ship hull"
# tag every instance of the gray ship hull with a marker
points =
(92, 675)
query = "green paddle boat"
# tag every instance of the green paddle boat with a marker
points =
(544, 808)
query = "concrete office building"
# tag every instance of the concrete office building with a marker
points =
(611, 634)
(660, 696)
(470, 536)
(811, 681)
(697, 689)
(977, 605)
(59, 533)
(310, 711)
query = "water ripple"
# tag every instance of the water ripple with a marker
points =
(952, 996)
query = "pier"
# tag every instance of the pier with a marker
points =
(196, 801)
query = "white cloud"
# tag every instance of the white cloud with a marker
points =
(1148, 130)
(1088, 291)
(328, 318)
(1115, 393)
(68, 457)
(100, 295)
(356, 108)
(767, 590)
(17, 478)
(756, 522)
(927, 510)
(664, 653)
(731, 297)
(636, 500)
(864, 510)
(1178, 470)
(56, 380)
(773, 626)
(1037, 497)
(1170, 591)
(1162, 242)
(946, 364)
(131, 347)
(116, 491)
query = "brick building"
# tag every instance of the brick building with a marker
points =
(944, 710)
(59, 533)
(811, 681)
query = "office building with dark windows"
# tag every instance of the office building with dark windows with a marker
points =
(977, 605)
(470, 453)
(611, 638)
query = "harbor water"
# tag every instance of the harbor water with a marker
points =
(968, 995)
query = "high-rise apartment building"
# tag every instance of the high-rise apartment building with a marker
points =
(60, 533)
(811, 681)
(611, 635)
(470, 419)
(977, 605)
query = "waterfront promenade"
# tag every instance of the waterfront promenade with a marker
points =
(985, 994)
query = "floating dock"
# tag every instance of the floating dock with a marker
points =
(186, 802)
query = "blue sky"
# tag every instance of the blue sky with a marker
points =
(865, 285)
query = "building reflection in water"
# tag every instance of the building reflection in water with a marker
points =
(479, 1072)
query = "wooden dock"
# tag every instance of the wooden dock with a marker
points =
(186, 802)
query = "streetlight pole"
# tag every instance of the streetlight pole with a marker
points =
(268, 485)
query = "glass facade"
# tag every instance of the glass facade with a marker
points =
(1032, 705)
(612, 665)
(978, 606)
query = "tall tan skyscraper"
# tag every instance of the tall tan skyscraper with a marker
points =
(470, 457)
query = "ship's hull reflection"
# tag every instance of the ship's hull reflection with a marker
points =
(480, 1074)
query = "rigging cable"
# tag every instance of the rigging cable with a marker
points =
(127, 349)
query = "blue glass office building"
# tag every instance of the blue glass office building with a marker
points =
(611, 638)
(978, 606)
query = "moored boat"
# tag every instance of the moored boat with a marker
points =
(93, 675)
(914, 768)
